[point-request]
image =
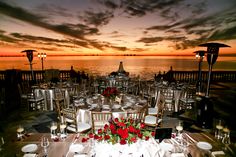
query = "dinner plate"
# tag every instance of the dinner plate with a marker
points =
(29, 148)
(76, 148)
(30, 155)
(106, 107)
(116, 106)
(204, 145)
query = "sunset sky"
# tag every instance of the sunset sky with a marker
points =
(143, 27)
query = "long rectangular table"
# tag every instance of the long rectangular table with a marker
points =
(61, 148)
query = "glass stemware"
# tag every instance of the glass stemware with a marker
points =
(1, 143)
(63, 130)
(179, 128)
(53, 129)
(226, 136)
(219, 128)
(45, 144)
(20, 131)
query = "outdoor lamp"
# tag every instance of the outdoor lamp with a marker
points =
(42, 57)
(30, 56)
(212, 55)
(200, 56)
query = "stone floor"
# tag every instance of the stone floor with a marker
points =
(223, 96)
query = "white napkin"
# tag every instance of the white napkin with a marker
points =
(30, 155)
(215, 153)
(177, 155)
(80, 155)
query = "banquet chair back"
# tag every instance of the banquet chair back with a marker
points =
(69, 117)
(155, 120)
(99, 119)
(136, 115)
(169, 98)
(35, 100)
(187, 99)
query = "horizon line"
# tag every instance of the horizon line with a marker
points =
(60, 55)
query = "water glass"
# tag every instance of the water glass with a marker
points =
(219, 129)
(53, 129)
(226, 136)
(1, 143)
(63, 130)
(179, 128)
(20, 131)
(45, 144)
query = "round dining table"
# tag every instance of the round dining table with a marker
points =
(98, 103)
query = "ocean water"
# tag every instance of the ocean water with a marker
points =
(144, 66)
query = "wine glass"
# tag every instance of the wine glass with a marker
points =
(20, 129)
(226, 136)
(179, 128)
(219, 128)
(1, 143)
(45, 144)
(63, 129)
(53, 129)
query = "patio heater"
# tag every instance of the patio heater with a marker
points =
(204, 103)
(212, 55)
(200, 56)
(30, 56)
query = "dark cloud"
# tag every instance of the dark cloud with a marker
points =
(226, 34)
(50, 41)
(110, 4)
(150, 40)
(142, 7)
(72, 30)
(8, 39)
(121, 48)
(77, 31)
(52, 10)
(97, 19)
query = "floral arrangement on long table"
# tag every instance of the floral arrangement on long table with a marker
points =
(122, 131)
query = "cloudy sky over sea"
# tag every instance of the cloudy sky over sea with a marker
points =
(116, 26)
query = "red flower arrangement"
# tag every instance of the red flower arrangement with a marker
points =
(123, 131)
(110, 92)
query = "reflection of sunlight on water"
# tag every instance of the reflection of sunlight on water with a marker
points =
(144, 66)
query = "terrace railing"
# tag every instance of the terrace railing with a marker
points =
(182, 76)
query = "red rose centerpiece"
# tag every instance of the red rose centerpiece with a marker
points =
(110, 92)
(122, 131)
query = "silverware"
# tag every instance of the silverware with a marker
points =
(191, 139)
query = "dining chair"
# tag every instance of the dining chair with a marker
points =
(58, 105)
(187, 99)
(99, 119)
(168, 93)
(70, 118)
(135, 115)
(155, 118)
(23, 95)
(35, 100)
